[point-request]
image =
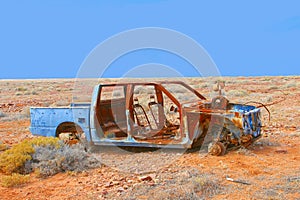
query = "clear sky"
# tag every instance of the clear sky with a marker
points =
(51, 38)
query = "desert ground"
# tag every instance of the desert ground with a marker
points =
(268, 169)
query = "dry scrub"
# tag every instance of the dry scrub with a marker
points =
(45, 156)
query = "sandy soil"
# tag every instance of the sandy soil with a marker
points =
(271, 166)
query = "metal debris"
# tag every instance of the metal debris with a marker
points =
(237, 181)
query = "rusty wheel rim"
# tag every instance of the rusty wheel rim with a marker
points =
(217, 149)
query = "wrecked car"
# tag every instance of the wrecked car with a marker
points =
(159, 114)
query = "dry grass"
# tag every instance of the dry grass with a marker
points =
(14, 159)
(61, 103)
(289, 186)
(24, 114)
(295, 134)
(3, 146)
(265, 142)
(14, 180)
(47, 160)
(291, 85)
(244, 151)
(44, 156)
(21, 89)
(237, 93)
(184, 184)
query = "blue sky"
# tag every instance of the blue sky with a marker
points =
(51, 38)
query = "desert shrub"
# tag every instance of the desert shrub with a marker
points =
(2, 114)
(206, 185)
(27, 93)
(46, 104)
(25, 113)
(266, 142)
(266, 79)
(291, 85)
(33, 92)
(14, 159)
(296, 134)
(269, 99)
(61, 103)
(244, 151)
(274, 87)
(3, 147)
(237, 93)
(49, 160)
(203, 85)
(143, 191)
(46, 156)
(185, 184)
(14, 180)
(17, 116)
(21, 89)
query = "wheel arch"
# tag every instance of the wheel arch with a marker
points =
(68, 126)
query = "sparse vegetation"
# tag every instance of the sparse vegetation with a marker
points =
(48, 160)
(274, 88)
(296, 134)
(3, 147)
(237, 93)
(14, 180)
(185, 184)
(45, 156)
(244, 151)
(291, 85)
(30, 93)
(48, 155)
(288, 187)
(21, 89)
(206, 185)
(2, 114)
(14, 159)
(61, 103)
(25, 114)
(269, 99)
(265, 142)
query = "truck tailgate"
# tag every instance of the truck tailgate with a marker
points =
(44, 121)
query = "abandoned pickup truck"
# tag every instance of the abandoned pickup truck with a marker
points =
(159, 114)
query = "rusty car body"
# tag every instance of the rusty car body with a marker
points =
(156, 114)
